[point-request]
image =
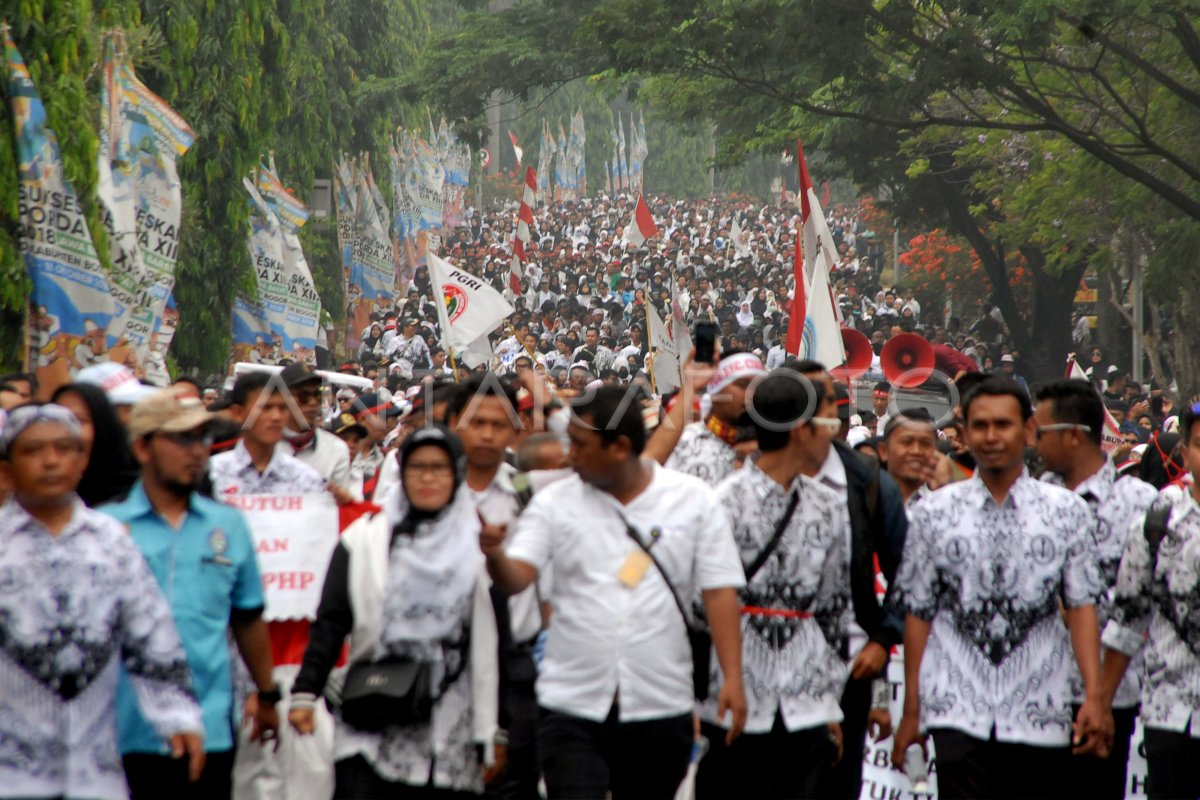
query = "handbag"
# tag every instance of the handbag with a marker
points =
(699, 636)
(377, 694)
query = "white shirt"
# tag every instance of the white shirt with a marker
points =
(989, 578)
(329, 456)
(606, 637)
(499, 506)
(1155, 611)
(1117, 504)
(792, 666)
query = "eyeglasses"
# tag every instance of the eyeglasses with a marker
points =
(189, 438)
(428, 470)
(1062, 426)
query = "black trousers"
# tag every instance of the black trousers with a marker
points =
(1173, 764)
(844, 781)
(355, 779)
(985, 770)
(1105, 778)
(519, 779)
(583, 760)
(769, 766)
(153, 777)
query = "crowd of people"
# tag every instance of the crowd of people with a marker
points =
(542, 577)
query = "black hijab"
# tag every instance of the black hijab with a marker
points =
(437, 436)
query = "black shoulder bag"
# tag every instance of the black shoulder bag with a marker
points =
(770, 547)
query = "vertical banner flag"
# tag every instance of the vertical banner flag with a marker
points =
(512, 137)
(303, 317)
(667, 361)
(372, 268)
(516, 273)
(71, 307)
(347, 212)
(622, 154)
(259, 318)
(641, 226)
(545, 156)
(560, 163)
(643, 151)
(141, 200)
(816, 335)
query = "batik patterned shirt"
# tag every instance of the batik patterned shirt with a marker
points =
(74, 608)
(700, 453)
(234, 473)
(1116, 504)
(1156, 610)
(989, 578)
(791, 664)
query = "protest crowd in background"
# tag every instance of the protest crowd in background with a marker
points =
(592, 495)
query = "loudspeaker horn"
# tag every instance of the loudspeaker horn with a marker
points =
(907, 360)
(859, 356)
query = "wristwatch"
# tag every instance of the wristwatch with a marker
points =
(270, 696)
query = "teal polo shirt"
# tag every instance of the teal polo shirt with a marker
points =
(206, 569)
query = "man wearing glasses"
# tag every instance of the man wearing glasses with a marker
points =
(202, 556)
(1069, 418)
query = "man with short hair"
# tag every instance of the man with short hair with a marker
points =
(77, 600)
(1070, 418)
(986, 653)
(408, 350)
(615, 685)
(909, 448)
(309, 442)
(790, 532)
(201, 552)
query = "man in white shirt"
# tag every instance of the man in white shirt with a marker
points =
(409, 350)
(987, 657)
(315, 446)
(616, 687)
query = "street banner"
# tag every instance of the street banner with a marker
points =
(141, 200)
(372, 262)
(294, 539)
(71, 306)
(302, 319)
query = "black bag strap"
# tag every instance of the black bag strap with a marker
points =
(637, 538)
(1155, 529)
(770, 547)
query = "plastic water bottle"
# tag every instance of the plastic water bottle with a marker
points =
(916, 769)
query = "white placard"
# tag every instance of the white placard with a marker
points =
(294, 538)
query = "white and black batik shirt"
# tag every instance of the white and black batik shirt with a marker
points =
(74, 608)
(234, 472)
(989, 578)
(1117, 504)
(790, 664)
(1160, 609)
(700, 453)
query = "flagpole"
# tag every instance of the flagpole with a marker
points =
(532, 355)
(649, 341)
(453, 363)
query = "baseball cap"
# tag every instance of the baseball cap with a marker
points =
(171, 410)
(346, 393)
(298, 374)
(345, 423)
(119, 383)
(1006, 359)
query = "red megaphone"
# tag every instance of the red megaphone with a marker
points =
(859, 355)
(907, 360)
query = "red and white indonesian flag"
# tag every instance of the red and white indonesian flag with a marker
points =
(516, 269)
(642, 226)
(470, 308)
(815, 320)
(512, 137)
(1110, 437)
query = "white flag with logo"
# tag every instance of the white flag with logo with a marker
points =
(470, 308)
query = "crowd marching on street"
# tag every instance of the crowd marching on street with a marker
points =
(556, 574)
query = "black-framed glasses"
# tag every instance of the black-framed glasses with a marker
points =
(1062, 426)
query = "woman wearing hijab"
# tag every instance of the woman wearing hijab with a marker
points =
(745, 317)
(758, 304)
(409, 584)
(111, 469)
(370, 344)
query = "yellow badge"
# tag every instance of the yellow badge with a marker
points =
(634, 568)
